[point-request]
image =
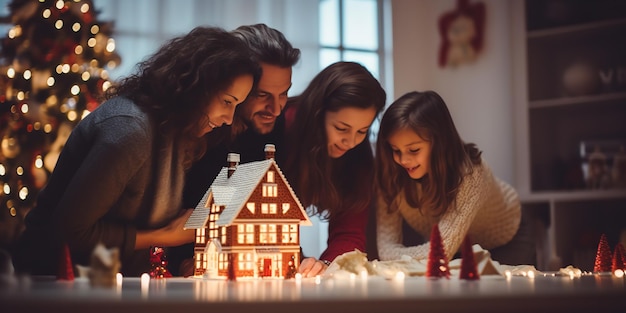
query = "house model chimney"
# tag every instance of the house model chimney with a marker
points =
(233, 161)
(270, 151)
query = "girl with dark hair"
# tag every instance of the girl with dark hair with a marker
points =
(328, 158)
(120, 176)
(427, 175)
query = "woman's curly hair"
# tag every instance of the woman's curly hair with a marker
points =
(177, 82)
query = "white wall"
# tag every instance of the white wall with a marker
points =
(479, 95)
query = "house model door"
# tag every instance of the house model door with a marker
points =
(266, 267)
(211, 255)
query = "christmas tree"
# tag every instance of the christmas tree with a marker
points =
(66, 267)
(469, 270)
(618, 262)
(603, 256)
(437, 259)
(158, 263)
(53, 71)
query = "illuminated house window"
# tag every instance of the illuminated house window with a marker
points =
(270, 190)
(273, 208)
(286, 207)
(223, 234)
(245, 233)
(267, 233)
(212, 230)
(245, 261)
(290, 233)
(213, 216)
(250, 207)
(200, 235)
(270, 176)
(200, 260)
(222, 262)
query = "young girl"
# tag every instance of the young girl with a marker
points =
(426, 175)
(119, 178)
(328, 158)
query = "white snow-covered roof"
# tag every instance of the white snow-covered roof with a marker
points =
(233, 193)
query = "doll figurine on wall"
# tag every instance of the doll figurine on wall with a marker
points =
(461, 33)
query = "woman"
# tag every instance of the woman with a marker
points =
(119, 178)
(427, 175)
(328, 158)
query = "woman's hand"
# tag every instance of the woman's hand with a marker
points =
(311, 267)
(172, 234)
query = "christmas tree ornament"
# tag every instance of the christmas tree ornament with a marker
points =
(469, 269)
(603, 256)
(437, 260)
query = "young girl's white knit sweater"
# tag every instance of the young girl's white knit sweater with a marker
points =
(486, 207)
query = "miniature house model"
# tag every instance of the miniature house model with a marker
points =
(251, 216)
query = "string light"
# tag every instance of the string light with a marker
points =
(39, 162)
(58, 24)
(60, 4)
(76, 27)
(23, 194)
(27, 74)
(46, 13)
(110, 45)
(11, 72)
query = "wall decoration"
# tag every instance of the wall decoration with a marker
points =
(462, 32)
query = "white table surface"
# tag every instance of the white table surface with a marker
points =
(591, 293)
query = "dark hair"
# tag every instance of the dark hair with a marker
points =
(427, 115)
(268, 45)
(177, 82)
(333, 186)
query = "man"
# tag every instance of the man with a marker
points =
(255, 121)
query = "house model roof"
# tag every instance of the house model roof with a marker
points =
(234, 192)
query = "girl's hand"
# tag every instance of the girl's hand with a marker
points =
(311, 267)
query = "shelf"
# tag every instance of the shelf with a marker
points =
(574, 195)
(565, 101)
(575, 29)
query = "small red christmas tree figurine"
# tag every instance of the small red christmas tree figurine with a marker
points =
(603, 256)
(469, 270)
(65, 270)
(231, 268)
(618, 258)
(437, 260)
(291, 269)
(158, 264)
